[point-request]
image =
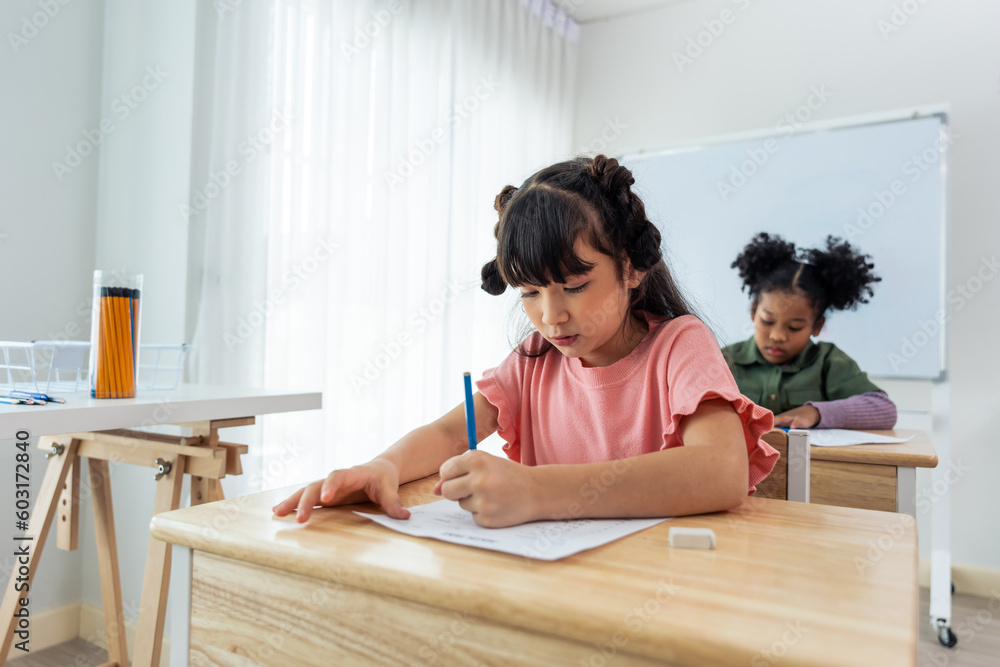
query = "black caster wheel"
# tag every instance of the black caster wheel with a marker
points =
(947, 637)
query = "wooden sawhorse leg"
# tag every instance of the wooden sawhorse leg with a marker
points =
(156, 580)
(107, 563)
(68, 523)
(38, 529)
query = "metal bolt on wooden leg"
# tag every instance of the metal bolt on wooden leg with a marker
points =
(56, 450)
(162, 468)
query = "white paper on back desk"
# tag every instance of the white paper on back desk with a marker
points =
(839, 437)
(542, 540)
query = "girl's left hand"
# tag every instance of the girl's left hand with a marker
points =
(805, 416)
(499, 492)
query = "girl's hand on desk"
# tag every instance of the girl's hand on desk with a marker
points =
(377, 480)
(805, 416)
(497, 491)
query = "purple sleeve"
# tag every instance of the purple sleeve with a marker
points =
(872, 410)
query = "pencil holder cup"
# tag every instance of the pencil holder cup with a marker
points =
(114, 334)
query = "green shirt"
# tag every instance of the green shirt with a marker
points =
(821, 372)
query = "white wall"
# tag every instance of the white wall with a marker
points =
(115, 209)
(763, 64)
(51, 95)
(147, 88)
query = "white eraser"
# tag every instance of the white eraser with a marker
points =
(692, 538)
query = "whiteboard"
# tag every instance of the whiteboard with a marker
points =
(879, 186)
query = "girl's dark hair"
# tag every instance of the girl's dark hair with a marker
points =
(588, 198)
(837, 277)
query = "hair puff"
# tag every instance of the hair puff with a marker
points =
(847, 273)
(761, 258)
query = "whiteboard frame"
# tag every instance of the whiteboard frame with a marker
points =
(941, 111)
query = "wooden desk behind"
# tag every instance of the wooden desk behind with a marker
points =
(789, 582)
(876, 477)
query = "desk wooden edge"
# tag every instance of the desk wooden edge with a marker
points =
(918, 453)
(874, 457)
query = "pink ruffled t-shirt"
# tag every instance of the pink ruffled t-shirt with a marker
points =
(552, 409)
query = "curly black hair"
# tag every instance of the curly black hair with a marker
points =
(837, 276)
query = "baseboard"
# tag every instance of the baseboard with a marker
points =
(55, 626)
(969, 579)
(50, 628)
(92, 630)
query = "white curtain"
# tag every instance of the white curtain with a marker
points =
(226, 214)
(404, 120)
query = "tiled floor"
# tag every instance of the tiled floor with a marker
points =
(76, 653)
(975, 622)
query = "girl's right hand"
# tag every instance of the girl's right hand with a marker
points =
(378, 480)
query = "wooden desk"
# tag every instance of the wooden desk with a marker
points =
(90, 428)
(876, 477)
(789, 583)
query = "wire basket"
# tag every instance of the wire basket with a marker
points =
(50, 366)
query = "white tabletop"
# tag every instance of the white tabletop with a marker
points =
(187, 403)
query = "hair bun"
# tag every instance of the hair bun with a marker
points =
(644, 251)
(614, 180)
(504, 196)
(493, 283)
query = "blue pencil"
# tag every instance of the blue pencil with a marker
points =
(470, 411)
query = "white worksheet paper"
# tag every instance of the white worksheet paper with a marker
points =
(542, 540)
(839, 437)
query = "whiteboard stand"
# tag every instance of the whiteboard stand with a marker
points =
(940, 604)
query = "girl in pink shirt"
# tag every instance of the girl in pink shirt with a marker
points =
(619, 404)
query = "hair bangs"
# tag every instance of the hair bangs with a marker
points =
(538, 232)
